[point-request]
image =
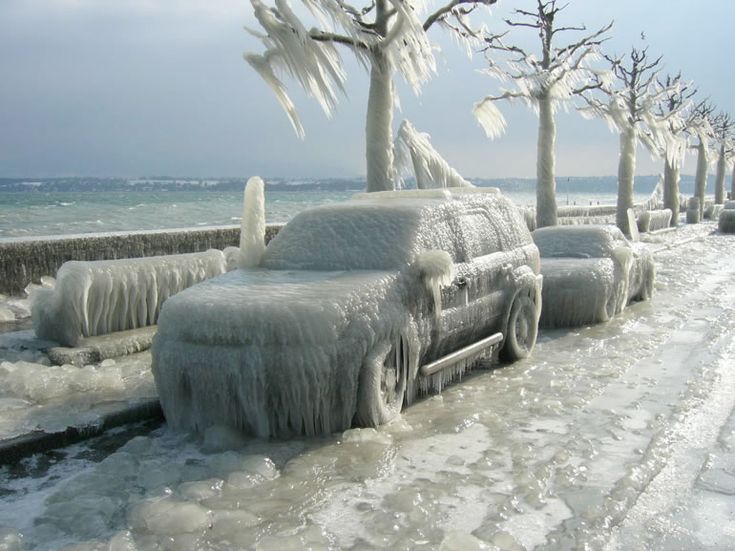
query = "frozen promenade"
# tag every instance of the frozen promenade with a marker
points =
(617, 436)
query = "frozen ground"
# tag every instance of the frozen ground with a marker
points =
(617, 436)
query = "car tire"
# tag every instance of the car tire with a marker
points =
(382, 386)
(522, 329)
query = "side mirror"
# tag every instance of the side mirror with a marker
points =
(435, 268)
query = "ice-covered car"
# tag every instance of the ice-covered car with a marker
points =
(590, 273)
(354, 309)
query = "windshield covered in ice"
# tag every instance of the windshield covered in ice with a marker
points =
(359, 235)
(578, 241)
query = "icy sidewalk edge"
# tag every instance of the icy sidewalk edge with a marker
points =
(14, 449)
(96, 349)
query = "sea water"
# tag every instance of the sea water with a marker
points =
(41, 213)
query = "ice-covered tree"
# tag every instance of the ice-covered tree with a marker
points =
(628, 106)
(674, 110)
(543, 83)
(723, 125)
(386, 37)
(701, 128)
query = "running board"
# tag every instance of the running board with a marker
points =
(459, 355)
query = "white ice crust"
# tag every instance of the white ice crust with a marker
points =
(103, 296)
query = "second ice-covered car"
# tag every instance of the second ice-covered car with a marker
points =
(590, 273)
(349, 305)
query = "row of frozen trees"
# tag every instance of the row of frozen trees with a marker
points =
(391, 37)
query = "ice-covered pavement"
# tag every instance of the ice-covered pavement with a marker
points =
(616, 436)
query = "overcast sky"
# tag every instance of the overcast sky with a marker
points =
(159, 87)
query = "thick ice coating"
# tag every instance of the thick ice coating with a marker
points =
(413, 148)
(590, 274)
(99, 297)
(252, 227)
(335, 322)
(652, 220)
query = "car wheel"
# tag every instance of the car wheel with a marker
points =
(382, 386)
(522, 330)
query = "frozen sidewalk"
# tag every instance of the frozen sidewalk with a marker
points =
(104, 383)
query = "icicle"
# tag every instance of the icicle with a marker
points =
(490, 118)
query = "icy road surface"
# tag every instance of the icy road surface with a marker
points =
(618, 436)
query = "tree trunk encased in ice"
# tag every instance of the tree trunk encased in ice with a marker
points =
(626, 172)
(671, 189)
(720, 178)
(545, 169)
(378, 127)
(700, 180)
(732, 190)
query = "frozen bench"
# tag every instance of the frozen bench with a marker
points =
(104, 296)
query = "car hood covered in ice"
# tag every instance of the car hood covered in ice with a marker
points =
(274, 353)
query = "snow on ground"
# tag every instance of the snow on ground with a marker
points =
(626, 426)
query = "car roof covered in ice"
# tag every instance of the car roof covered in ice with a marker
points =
(385, 231)
(580, 241)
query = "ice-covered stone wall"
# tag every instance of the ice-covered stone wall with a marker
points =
(25, 260)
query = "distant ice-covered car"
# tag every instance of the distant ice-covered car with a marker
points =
(355, 309)
(590, 273)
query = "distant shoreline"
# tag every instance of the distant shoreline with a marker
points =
(564, 185)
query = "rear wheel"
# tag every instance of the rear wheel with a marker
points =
(382, 386)
(522, 330)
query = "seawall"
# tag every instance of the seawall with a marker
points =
(26, 260)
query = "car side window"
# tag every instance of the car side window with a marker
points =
(478, 233)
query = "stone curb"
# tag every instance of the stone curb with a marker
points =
(13, 450)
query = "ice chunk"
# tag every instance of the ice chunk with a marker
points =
(41, 383)
(99, 297)
(169, 516)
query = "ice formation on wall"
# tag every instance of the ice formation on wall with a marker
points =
(414, 150)
(27, 260)
(282, 348)
(252, 228)
(98, 297)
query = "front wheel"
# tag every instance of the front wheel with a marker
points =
(522, 329)
(382, 385)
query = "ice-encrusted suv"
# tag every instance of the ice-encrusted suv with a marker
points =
(355, 308)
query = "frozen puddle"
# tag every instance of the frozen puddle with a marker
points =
(617, 436)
